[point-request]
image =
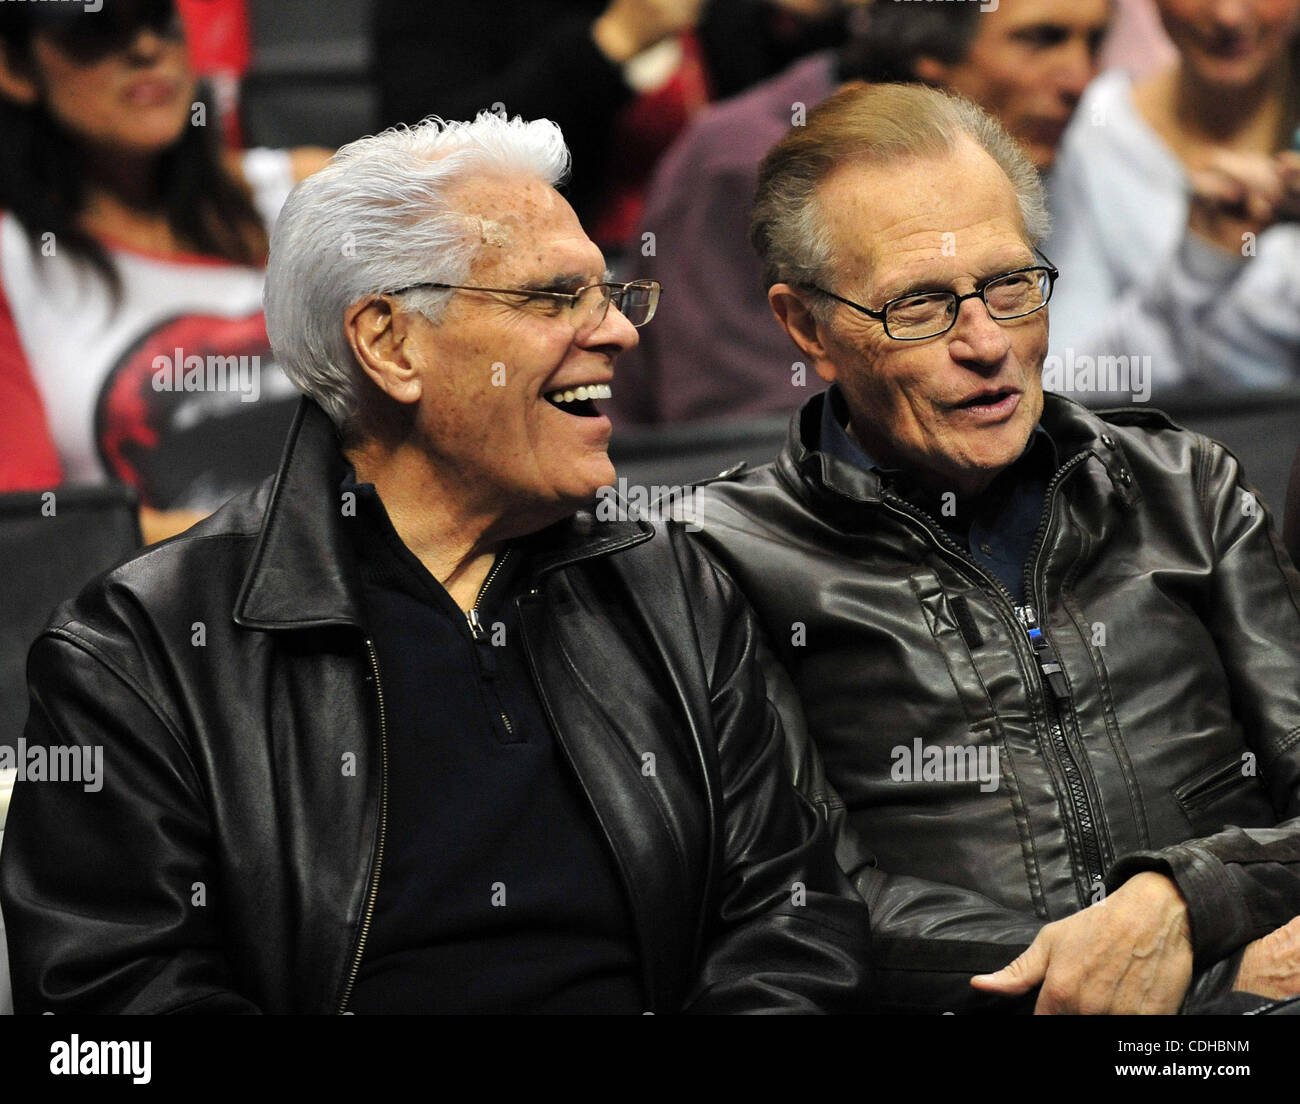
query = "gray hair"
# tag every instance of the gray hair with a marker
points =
(873, 125)
(377, 218)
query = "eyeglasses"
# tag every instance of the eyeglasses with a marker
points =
(586, 307)
(88, 41)
(920, 315)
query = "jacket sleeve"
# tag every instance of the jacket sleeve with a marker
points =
(1242, 883)
(100, 880)
(789, 934)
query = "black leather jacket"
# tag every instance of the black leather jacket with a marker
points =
(1169, 739)
(230, 863)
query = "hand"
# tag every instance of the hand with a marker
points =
(1238, 193)
(1130, 952)
(1288, 169)
(627, 27)
(1271, 964)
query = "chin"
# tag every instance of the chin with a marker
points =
(1043, 157)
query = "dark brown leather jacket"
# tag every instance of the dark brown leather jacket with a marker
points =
(230, 864)
(1154, 723)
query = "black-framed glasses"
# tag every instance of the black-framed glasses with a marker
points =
(924, 314)
(587, 306)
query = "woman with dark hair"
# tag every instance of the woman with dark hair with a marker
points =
(131, 254)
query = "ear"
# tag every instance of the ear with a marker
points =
(797, 319)
(378, 332)
(932, 71)
(15, 81)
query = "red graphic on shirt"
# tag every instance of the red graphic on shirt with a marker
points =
(194, 448)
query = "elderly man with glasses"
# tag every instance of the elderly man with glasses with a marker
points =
(409, 729)
(1050, 658)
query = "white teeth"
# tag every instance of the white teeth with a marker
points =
(580, 394)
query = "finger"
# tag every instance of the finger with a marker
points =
(1018, 976)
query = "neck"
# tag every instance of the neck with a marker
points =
(456, 540)
(1207, 112)
(124, 181)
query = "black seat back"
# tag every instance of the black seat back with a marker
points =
(51, 545)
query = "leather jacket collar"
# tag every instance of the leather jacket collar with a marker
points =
(811, 473)
(302, 573)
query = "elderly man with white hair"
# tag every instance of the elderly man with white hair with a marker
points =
(408, 729)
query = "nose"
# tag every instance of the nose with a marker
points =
(1078, 67)
(614, 331)
(146, 46)
(976, 340)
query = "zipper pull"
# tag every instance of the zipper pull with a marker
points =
(1053, 676)
(475, 625)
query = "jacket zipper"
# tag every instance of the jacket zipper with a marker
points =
(1051, 677)
(479, 633)
(373, 895)
(471, 614)
(1056, 697)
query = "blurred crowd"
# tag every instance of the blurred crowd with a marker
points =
(136, 207)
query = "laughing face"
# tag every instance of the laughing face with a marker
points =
(955, 409)
(510, 385)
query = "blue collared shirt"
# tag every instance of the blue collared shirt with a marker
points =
(997, 527)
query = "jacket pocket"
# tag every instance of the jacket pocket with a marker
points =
(1219, 794)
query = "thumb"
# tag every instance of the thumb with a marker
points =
(1018, 976)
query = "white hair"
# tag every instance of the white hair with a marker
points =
(380, 217)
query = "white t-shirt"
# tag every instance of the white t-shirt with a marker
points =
(173, 389)
(1136, 285)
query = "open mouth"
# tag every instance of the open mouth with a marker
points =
(986, 400)
(579, 401)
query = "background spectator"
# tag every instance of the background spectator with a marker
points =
(1174, 208)
(621, 77)
(717, 351)
(130, 242)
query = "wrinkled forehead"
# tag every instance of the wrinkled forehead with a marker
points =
(944, 205)
(522, 224)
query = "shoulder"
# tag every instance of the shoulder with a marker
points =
(271, 174)
(1167, 460)
(1104, 119)
(165, 587)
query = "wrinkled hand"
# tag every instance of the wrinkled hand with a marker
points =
(627, 27)
(1271, 964)
(1235, 193)
(1129, 953)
